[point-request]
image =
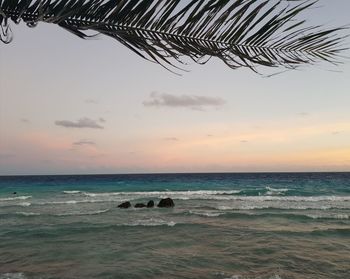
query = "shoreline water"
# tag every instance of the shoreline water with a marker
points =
(241, 226)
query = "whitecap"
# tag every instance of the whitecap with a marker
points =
(15, 198)
(84, 213)
(24, 204)
(186, 194)
(28, 213)
(18, 275)
(206, 214)
(220, 195)
(276, 190)
(151, 222)
(234, 277)
(72, 192)
(70, 202)
(15, 204)
(329, 216)
(240, 277)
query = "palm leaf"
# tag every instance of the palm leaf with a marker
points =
(241, 33)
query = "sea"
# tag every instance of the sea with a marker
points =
(223, 226)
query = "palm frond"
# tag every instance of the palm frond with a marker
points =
(241, 33)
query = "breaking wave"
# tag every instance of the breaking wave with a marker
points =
(18, 275)
(71, 192)
(15, 198)
(28, 213)
(215, 195)
(151, 222)
(97, 212)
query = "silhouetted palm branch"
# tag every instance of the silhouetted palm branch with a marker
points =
(242, 33)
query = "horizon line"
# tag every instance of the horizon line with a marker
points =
(172, 173)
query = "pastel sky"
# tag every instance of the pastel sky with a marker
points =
(69, 106)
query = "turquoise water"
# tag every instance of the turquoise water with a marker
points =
(237, 226)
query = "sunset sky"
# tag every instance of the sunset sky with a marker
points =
(69, 106)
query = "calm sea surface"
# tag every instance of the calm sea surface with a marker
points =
(233, 226)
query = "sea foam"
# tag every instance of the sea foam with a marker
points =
(18, 275)
(72, 192)
(97, 212)
(15, 198)
(151, 222)
(217, 195)
(28, 213)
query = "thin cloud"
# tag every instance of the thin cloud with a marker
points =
(25, 120)
(303, 114)
(184, 101)
(171, 139)
(336, 133)
(91, 101)
(81, 123)
(244, 141)
(84, 142)
(102, 120)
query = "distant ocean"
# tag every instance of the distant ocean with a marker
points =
(223, 226)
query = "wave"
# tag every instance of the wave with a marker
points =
(335, 216)
(218, 195)
(274, 191)
(97, 212)
(237, 202)
(28, 213)
(23, 204)
(18, 275)
(283, 206)
(332, 231)
(72, 192)
(206, 214)
(242, 214)
(197, 193)
(292, 198)
(151, 223)
(224, 276)
(69, 202)
(15, 198)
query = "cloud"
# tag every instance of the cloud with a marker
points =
(102, 120)
(84, 142)
(81, 123)
(303, 114)
(244, 141)
(25, 120)
(91, 101)
(336, 132)
(185, 101)
(171, 139)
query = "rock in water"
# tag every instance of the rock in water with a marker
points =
(139, 205)
(124, 205)
(168, 202)
(150, 203)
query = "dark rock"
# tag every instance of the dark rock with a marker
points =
(124, 205)
(15, 193)
(150, 203)
(139, 205)
(168, 202)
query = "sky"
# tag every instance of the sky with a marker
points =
(73, 106)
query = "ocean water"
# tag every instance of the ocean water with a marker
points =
(223, 226)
